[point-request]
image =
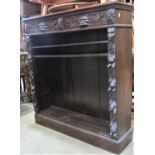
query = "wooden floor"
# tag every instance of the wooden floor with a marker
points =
(76, 119)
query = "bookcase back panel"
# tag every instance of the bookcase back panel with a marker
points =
(78, 84)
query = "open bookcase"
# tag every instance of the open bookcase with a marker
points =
(81, 63)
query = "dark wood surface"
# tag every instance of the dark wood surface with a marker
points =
(71, 44)
(74, 85)
(79, 120)
(82, 131)
(124, 78)
(88, 17)
(81, 73)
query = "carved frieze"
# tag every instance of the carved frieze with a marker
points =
(71, 22)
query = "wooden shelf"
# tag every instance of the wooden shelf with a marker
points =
(76, 120)
(71, 55)
(72, 44)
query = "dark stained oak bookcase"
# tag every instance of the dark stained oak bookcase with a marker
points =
(81, 73)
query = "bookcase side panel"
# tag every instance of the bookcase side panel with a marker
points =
(123, 76)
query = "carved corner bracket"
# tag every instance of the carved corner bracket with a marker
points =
(112, 82)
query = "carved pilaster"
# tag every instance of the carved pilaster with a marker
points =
(33, 72)
(112, 83)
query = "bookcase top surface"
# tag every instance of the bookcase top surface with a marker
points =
(88, 9)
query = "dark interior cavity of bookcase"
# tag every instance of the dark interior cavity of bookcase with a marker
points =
(72, 70)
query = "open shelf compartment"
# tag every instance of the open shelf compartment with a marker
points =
(76, 120)
(80, 37)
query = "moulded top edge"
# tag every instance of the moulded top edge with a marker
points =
(95, 7)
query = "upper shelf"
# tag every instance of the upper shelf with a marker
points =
(72, 44)
(68, 39)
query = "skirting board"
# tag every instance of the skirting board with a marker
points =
(85, 135)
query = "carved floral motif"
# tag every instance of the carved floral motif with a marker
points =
(112, 82)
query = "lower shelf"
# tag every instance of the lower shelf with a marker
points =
(76, 119)
(86, 128)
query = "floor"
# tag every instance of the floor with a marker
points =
(37, 139)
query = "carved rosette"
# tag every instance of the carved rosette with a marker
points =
(112, 82)
(33, 72)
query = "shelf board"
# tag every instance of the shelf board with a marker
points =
(77, 120)
(71, 44)
(71, 55)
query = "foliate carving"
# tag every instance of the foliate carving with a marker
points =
(112, 82)
(113, 129)
(33, 73)
(111, 48)
(60, 21)
(26, 38)
(113, 106)
(70, 22)
(111, 56)
(111, 65)
(111, 33)
(111, 16)
(42, 26)
(84, 21)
